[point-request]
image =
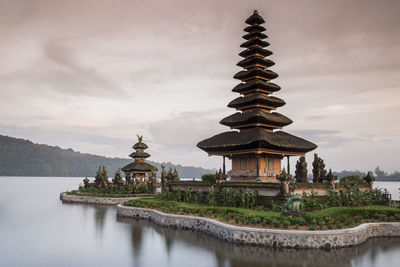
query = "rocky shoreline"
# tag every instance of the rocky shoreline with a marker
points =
(93, 200)
(266, 237)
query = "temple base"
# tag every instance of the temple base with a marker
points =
(250, 176)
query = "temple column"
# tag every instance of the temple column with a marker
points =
(288, 165)
(223, 165)
(258, 166)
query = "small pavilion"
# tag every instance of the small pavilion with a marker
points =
(139, 168)
(256, 148)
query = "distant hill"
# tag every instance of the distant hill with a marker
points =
(19, 157)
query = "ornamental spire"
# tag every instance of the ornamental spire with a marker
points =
(256, 106)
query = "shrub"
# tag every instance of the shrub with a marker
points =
(275, 222)
(209, 178)
(285, 223)
(299, 220)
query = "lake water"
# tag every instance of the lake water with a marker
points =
(36, 229)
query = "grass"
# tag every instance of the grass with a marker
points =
(330, 218)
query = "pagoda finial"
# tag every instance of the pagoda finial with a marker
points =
(255, 12)
(140, 138)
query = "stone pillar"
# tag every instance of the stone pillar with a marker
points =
(223, 166)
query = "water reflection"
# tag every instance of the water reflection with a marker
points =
(229, 254)
(100, 213)
(36, 229)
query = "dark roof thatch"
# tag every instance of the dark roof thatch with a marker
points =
(256, 138)
(142, 155)
(257, 98)
(254, 28)
(256, 84)
(252, 73)
(255, 50)
(254, 116)
(255, 19)
(245, 63)
(138, 166)
(252, 35)
(255, 41)
(140, 145)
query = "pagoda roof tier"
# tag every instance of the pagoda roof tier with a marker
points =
(140, 145)
(256, 99)
(256, 85)
(255, 19)
(141, 155)
(254, 28)
(252, 35)
(254, 73)
(138, 166)
(254, 42)
(242, 119)
(255, 139)
(255, 51)
(255, 62)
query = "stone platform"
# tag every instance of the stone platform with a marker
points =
(266, 237)
(94, 200)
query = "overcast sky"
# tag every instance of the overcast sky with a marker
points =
(90, 75)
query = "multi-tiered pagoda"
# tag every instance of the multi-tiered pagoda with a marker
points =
(139, 168)
(256, 148)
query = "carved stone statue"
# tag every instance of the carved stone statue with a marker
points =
(301, 171)
(294, 204)
(118, 178)
(220, 177)
(164, 180)
(369, 178)
(319, 172)
(330, 178)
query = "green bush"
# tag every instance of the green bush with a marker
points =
(285, 223)
(299, 220)
(209, 178)
(312, 227)
(339, 216)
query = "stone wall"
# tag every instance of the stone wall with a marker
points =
(93, 200)
(266, 237)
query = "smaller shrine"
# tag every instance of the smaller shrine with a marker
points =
(138, 169)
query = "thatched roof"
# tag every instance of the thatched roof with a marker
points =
(256, 115)
(140, 145)
(252, 35)
(256, 138)
(256, 84)
(252, 73)
(254, 28)
(257, 98)
(255, 19)
(138, 166)
(142, 155)
(255, 60)
(255, 41)
(255, 50)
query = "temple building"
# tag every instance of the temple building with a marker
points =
(138, 169)
(256, 147)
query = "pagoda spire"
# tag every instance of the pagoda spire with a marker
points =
(255, 106)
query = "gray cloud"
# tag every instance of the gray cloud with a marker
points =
(97, 72)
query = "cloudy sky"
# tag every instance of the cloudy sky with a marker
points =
(90, 75)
